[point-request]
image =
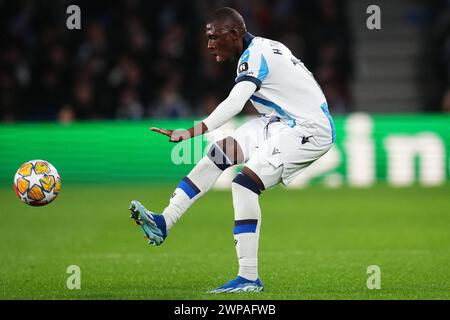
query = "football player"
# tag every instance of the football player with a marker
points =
(294, 129)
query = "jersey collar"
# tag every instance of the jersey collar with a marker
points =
(247, 40)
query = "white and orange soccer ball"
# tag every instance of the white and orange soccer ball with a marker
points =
(37, 182)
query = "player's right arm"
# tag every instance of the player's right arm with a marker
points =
(227, 109)
(231, 106)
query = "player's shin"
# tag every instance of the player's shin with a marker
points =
(202, 178)
(247, 225)
(192, 187)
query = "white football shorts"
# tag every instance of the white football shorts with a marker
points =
(275, 151)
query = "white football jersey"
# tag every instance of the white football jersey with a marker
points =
(286, 88)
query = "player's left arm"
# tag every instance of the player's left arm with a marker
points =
(226, 110)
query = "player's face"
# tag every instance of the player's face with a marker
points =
(221, 42)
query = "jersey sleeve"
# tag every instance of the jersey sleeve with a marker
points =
(252, 67)
(231, 106)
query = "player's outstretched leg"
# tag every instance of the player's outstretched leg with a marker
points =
(247, 224)
(222, 155)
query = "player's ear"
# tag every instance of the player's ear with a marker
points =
(234, 34)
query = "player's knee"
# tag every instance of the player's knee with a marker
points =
(225, 153)
(248, 182)
(218, 157)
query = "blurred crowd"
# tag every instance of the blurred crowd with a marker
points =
(138, 59)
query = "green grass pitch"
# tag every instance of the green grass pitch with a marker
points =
(315, 243)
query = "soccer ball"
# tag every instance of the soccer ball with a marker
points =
(37, 182)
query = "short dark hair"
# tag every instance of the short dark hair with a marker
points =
(229, 18)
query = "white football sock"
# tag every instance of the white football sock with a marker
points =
(192, 187)
(247, 215)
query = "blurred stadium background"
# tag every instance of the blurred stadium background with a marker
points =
(140, 62)
(136, 60)
(84, 100)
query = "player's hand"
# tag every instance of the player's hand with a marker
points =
(174, 135)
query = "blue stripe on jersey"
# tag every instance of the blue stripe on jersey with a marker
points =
(278, 109)
(244, 57)
(324, 108)
(189, 187)
(263, 69)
